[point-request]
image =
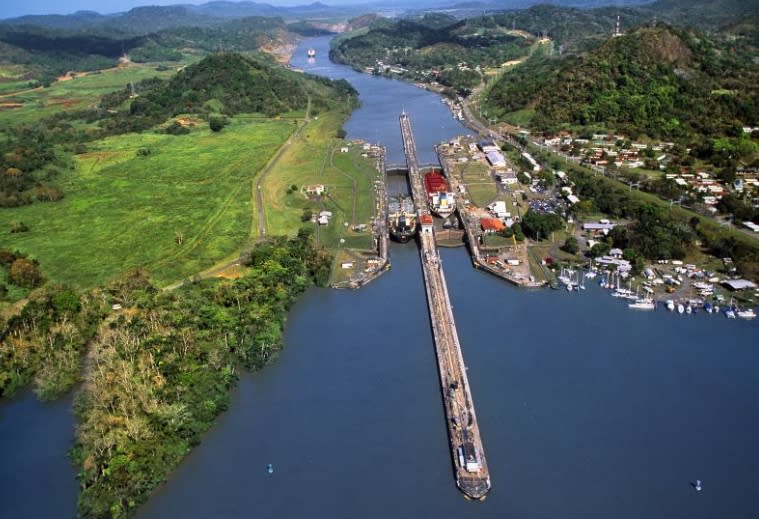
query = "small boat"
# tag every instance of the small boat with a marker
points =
(730, 310)
(680, 308)
(688, 309)
(746, 314)
(311, 53)
(697, 485)
(645, 303)
(270, 468)
(708, 307)
(670, 305)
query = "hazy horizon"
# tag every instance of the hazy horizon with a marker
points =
(35, 7)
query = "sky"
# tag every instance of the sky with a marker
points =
(13, 8)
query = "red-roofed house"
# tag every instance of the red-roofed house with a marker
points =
(491, 225)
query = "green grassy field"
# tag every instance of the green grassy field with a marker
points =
(480, 186)
(122, 210)
(73, 94)
(316, 158)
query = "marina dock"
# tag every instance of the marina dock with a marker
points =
(467, 452)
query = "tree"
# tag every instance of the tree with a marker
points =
(307, 215)
(25, 273)
(537, 225)
(599, 249)
(217, 123)
(570, 245)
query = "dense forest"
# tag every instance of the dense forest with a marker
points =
(45, 340)
(49, 53)
(660, 82)
(160, 371)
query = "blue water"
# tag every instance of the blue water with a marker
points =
(36, 478)
(587, 409)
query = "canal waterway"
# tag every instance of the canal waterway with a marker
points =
(586, 408)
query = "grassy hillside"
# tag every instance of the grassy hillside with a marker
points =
(124, 210)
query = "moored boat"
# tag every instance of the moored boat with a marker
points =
(440, 199)
(401, 219)
(644, 303)
(746, 314)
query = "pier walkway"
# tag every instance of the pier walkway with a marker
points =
(467, 452)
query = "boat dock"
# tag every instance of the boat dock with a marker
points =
(467, 452)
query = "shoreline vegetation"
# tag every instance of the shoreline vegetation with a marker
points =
(156, 366)
(160, 369)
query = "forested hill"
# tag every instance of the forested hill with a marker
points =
(48, 53)
(657, 81)
(578, 29)
(704, 14)
(237, 83)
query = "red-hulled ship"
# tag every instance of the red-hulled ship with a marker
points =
(441, 200)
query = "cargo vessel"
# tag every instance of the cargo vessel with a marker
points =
(440, 199)
(401, 218)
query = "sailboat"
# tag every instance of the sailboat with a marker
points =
(270, 468)
(697, 485)
(729, 312)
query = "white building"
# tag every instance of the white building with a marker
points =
(496, 159)
(498, 209)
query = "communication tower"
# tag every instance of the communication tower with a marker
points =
(617, 31)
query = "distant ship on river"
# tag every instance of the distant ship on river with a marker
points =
(311, 52)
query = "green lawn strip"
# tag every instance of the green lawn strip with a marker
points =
(122, 211)
(316, 158)
(480, 186)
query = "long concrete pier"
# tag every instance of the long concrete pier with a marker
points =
(467, 451)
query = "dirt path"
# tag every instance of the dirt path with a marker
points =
(257, 188)
(21, 92)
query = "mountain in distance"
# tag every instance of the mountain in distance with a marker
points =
(148, 19)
